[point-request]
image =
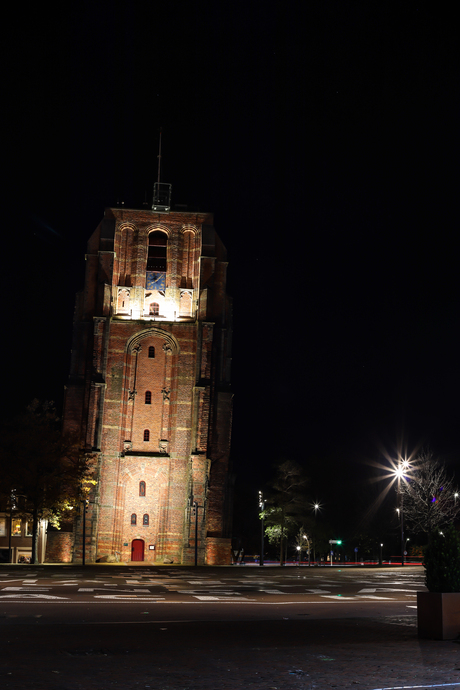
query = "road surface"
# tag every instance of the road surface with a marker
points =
(172, 628)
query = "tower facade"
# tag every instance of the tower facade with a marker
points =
(149, 389)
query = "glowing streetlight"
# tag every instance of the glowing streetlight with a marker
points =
(405, 546)
(305, 536)
(316, 507)
(399, 474)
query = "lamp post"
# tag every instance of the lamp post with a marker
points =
(195, 508)
(85, 510)
(405, 546)
(316, 507)
(309, 549)
(262, 507)
(380, 559)
(399, 472)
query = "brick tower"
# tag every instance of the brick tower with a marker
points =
(149, 388)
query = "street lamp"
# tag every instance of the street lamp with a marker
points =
(85, 510)
(262, 507)
(195, 508)
(399, 473)
(309, 549)
(316, 507)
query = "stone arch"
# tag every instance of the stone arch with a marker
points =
(137, 339)
(157, 376)
(189, 228)
(160, 228)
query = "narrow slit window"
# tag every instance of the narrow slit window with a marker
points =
(145, 519)
(134, 519)
(148, 397)
(146, 435)
(141, 488)
(151, 352)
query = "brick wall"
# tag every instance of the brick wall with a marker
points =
(186, 456)
(59, 547)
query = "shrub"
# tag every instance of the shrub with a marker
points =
(442, 562)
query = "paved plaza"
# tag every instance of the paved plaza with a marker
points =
(173, 628)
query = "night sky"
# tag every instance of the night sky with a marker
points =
(324, 137)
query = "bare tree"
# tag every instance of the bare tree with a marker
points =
(430, 496)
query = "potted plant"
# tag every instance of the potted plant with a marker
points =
(438, 610)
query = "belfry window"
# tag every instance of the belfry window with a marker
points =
(145, 519)
(151, 352)
(156, 260)
(123, 302)
(146, 435)
(134, 519)
(141, 488)
(148, 397)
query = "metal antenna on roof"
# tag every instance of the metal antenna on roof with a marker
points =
(159, 158)
(161, 190)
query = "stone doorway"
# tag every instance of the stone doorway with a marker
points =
(137, 550)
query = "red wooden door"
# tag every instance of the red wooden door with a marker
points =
(137, 550)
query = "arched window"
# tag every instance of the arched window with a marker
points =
(134, 519)
(123, 303)
(126, 245)
(185, 304)
(188, 259)
(148, 397)
(141, 488)
(151, 352)
(154, 309)
(145, 519)
(156, 260)
(146, 435)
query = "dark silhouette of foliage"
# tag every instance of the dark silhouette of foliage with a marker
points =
(286, 503)
(44, 474)
(442, 561)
